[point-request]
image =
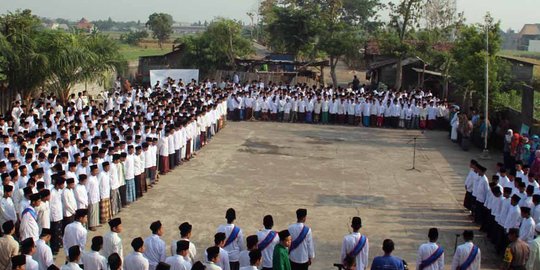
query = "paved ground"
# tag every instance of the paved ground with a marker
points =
(335, 172)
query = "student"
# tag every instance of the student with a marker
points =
(387, 261)
(234, 242)
(28, 248)
(136, 260)
(75, 233)
(43, 254)
(178, 261)
(280, 257)
(255, 258)
(114, 261)
(112, 243)
(268, 239)
(356, 245)
(467, 255)
(212, 255)
(154, 249)
(251, 243)
(430, 255)
(301, 251)
(73, 259)
(185, 234)
(92, 259)
(29, 227)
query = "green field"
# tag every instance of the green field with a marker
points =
(132, 53)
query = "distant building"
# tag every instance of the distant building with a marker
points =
(510, 40)
(187, 29)
(528, 32)
(85, 25)
(172, 60)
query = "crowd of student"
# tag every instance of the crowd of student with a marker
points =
(67, 168)
(507, 208)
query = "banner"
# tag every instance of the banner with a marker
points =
(161, 75)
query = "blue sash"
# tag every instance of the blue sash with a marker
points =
(470, 259)
(232, 236)
(432, 258)
(267, 240)
(31, 211)
(296, 242)
(358, 247)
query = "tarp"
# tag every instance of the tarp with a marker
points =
(161, 75)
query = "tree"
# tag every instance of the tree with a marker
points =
(75, 58)
(161, 26)
(26, 67)
(217, 47)
(404, 18)
(470, 52)
(134, 38)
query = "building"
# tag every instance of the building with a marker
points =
(172, 60)
(84, 25)
(528, 32)
(510, 40)
(188, 29)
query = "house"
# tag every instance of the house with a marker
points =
(528, 32)
(172, 60)
(84, 25)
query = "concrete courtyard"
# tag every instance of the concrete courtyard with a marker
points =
(335, 172)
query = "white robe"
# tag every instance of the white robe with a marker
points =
(136, 261)
(178, 262)
(454, 123)
(526, 230)
(461, 255)
(43, 255)
(112, 243)
(29, 226)
(93, 260)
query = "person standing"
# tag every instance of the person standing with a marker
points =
(534, 252)
(93, 198)
(7, 207)
(268, 239)
(29, 225)
(75, 232)
(178, 262)
(69, 203)
(212, 255)
(185, 234)
(517, 252)
(467, 255)
(430, 255)
(112, 243)
(280, 256)
(301, 251)
(154, 249)
(255, 258)
(136, 260)
(73, 259)
(234, 242)
(92, 259)
(43, 254)
(104, 179)
(28, 248)
(56, 213)
(9, 247)
(387, 261)
(356, 245)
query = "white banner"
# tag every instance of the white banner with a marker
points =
(161, 75)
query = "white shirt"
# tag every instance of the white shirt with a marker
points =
(461, 255)
(70, 204)
(244, 258)
(349, 243)
(178, 262)
(43, 255)
(93, 260)
(31, 264)
(526, 230)
(7, 210)
(104, 185)
(154, 250)
(268, 252)
(112, 243)
(74, 234)
(70, 266)
(136, 261)
(56, 205)
(92, 186)
(81, 196)
(305, 250)
(129, 167)
(250, 267)
(192, 250)
(425, 251)
(29, 226)
(237, 245)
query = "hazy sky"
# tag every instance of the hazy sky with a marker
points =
(512, 13)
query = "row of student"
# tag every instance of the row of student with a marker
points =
(507, 208)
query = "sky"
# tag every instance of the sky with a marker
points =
(512, 13)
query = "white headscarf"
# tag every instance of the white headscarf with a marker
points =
(508, 136)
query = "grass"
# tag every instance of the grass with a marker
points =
(132, 53)
(526, 54)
